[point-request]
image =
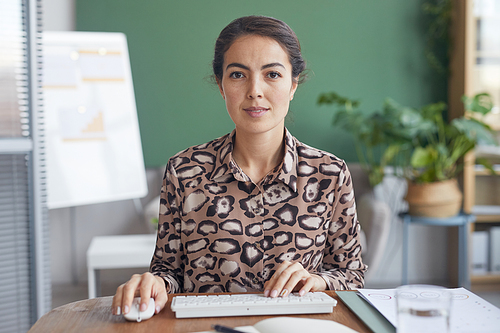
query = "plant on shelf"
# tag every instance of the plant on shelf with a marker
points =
(438, 156)
(418, 142)
(438, 150)
(370, 139)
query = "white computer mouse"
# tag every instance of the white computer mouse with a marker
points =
(136, 315)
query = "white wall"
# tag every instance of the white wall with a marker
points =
(59, 15)
(427, 244)
(71, 234)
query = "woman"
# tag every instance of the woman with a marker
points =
(254, 210)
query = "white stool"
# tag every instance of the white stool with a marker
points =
(108, 252)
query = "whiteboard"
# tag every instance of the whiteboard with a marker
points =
(93, 144)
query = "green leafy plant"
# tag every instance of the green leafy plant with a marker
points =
(368, 136)
(438, 151)
(420, 142)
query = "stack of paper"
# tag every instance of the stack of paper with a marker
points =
(469, 314)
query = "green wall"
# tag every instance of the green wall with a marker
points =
(361, 49)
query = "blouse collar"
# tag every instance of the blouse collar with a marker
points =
(285, 172)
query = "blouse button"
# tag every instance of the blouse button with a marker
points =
(255, 280)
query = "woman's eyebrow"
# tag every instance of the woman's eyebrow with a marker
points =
(273, 64)
(235, 64)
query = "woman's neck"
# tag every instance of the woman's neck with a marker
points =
(258, 154)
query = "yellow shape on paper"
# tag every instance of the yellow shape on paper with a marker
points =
(96, 125)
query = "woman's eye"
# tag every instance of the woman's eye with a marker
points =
(274, 75)
(236, 75)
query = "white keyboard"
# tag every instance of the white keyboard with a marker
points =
(250, 305)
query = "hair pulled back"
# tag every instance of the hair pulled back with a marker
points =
(262, 26)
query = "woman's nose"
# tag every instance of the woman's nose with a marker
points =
(255, 89)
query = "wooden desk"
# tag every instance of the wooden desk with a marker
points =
(94, 315)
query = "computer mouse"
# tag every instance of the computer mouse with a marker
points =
(136, 315)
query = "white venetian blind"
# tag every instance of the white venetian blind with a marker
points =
(25, 292)
(13, 70)
(15, 260)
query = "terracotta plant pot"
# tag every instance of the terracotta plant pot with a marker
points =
(438, 199)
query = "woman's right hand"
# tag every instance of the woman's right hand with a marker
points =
(146, 286)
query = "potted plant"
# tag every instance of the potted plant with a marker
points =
(420, 143)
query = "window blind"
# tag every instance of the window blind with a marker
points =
(15, 291)
(13, 70)
(25, 289)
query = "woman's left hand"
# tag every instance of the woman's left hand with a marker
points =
(292, 277)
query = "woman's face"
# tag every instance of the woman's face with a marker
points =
(257, 84)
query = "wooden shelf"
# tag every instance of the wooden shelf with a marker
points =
(486, 210)
(464, 70)
(486, 213)
(480, 170)
(485, 279)
(487, 218)
(488, 151)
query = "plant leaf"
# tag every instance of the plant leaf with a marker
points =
(423, 157)
(334, 98)
(375, 175)
(482, 103)
(487, 164)
(390, 153)
(475, 130)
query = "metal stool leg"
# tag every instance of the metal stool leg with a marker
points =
(463, 257)
(406, 224)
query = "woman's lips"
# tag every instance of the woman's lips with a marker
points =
(256, 112)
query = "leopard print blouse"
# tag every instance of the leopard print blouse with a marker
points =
(220, 232)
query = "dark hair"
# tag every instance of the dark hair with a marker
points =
(262, 26)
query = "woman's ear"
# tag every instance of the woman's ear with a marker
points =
(295, 84)
(221, 90)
